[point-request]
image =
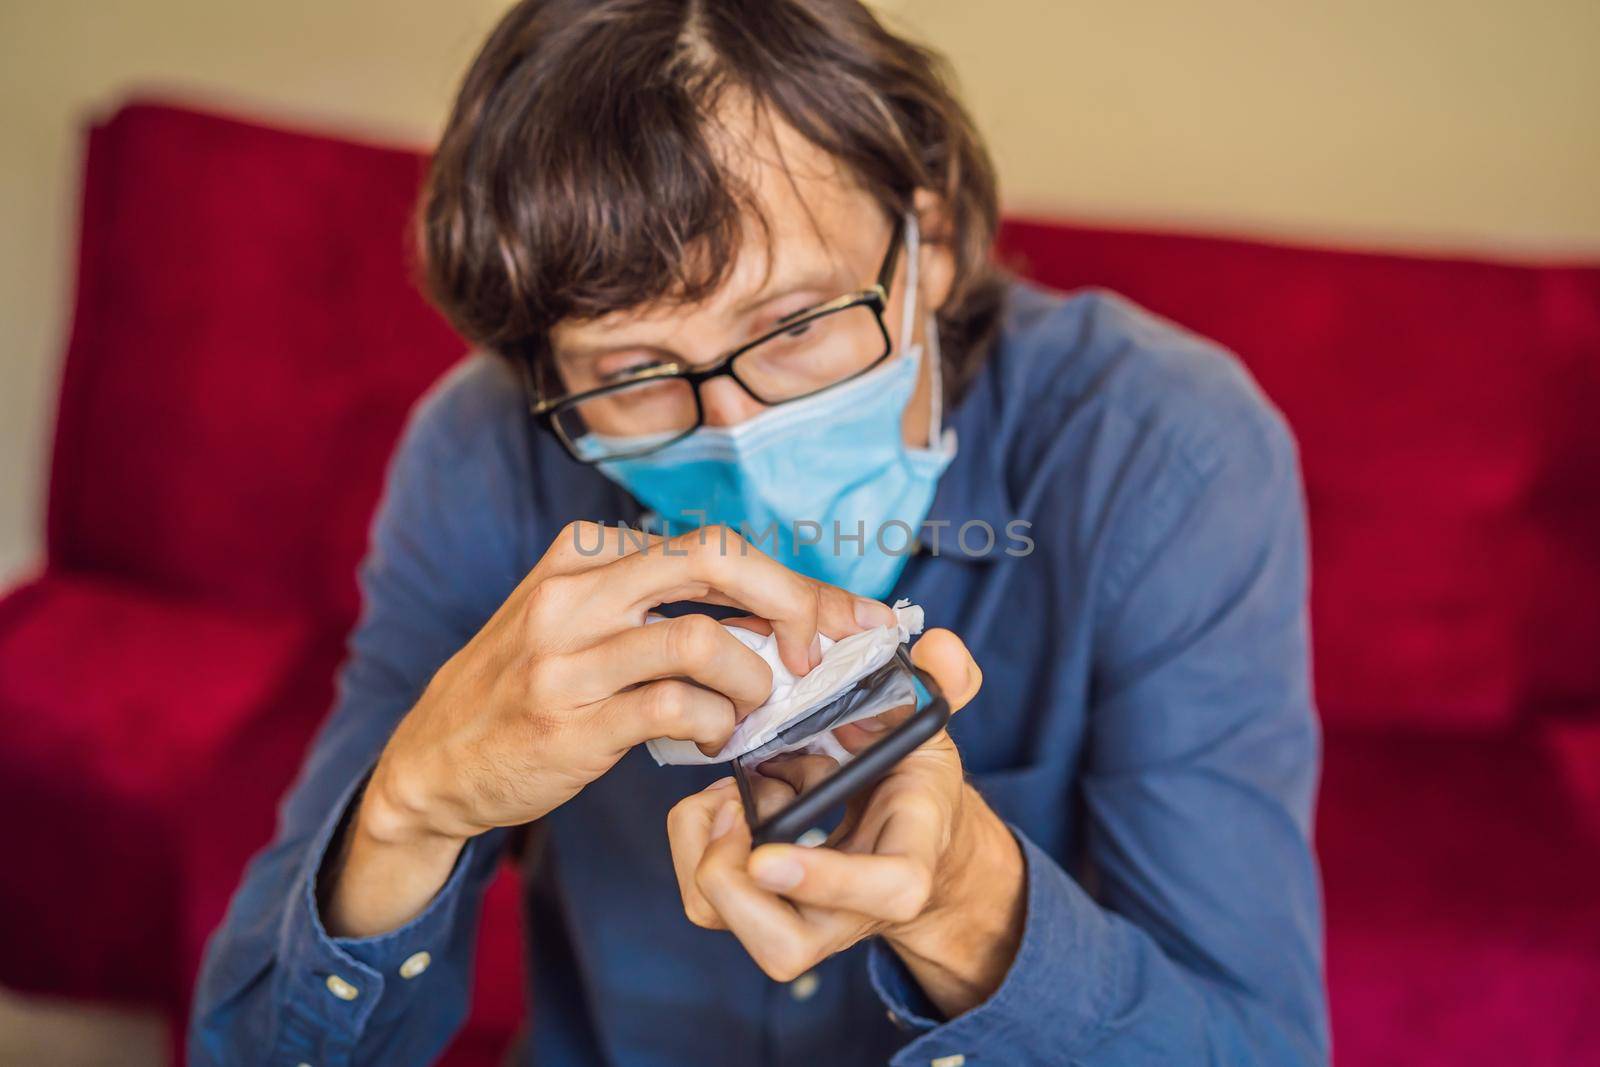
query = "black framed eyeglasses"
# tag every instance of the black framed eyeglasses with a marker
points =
(805, 354)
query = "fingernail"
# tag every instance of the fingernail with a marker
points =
(870, 613)
(816, 651)
(776, 872)
(725, 816)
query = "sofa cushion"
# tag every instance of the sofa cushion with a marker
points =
(1463, 904)
(1572, 744)
(114, 704)
(1445, 414)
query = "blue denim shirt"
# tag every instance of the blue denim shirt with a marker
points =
(1146, 728)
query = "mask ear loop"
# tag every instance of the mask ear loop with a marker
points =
(913, 246)
(913, 249)
(936, 386)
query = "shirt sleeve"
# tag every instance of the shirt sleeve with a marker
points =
(274, 986)
(1201, 941)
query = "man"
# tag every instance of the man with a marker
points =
(735, 258)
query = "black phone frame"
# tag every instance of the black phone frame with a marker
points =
(864, 771)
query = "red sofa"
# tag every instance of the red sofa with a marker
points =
(246, 343)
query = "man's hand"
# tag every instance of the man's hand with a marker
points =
(921, 861)
(560, 682)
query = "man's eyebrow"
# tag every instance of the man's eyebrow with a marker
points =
(821, 283)
(574, 351)
(823, 277)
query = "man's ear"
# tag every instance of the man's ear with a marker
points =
(938, 267)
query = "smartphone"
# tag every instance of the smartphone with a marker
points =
(820, 761)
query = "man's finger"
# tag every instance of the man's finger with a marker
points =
(771, 795)
(716, 563)
(898, 844)
(944, 655)
(697, 647)
(670, 708)
(889, 888)
(771, 931)
(799, 771)
(689, 826)
(583, 546)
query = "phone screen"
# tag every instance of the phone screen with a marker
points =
(815, 764)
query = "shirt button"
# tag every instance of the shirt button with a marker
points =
(342, 989)
(415, 964)
(957, 1060)
(804, 987)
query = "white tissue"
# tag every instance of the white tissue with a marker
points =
(844, 663)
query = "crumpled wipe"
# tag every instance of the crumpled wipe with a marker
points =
(844, 663)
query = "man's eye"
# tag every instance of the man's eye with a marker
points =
(799, 329)
(632, 370)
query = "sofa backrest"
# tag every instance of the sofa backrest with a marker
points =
(247, 341)
(1448, 414)
(245, 345)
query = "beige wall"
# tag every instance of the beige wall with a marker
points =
(1413, 123)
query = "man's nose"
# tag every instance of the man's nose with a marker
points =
(725, 403)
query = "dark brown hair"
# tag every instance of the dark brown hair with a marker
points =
(578, 174)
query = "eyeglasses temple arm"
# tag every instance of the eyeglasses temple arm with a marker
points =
(892, 257)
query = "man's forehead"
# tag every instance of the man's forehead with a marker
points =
(809, 199)
(808, 224)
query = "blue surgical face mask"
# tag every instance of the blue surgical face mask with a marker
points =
(825, 485)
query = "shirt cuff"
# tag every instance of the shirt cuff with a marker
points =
(337, 986)
(1054, 999)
